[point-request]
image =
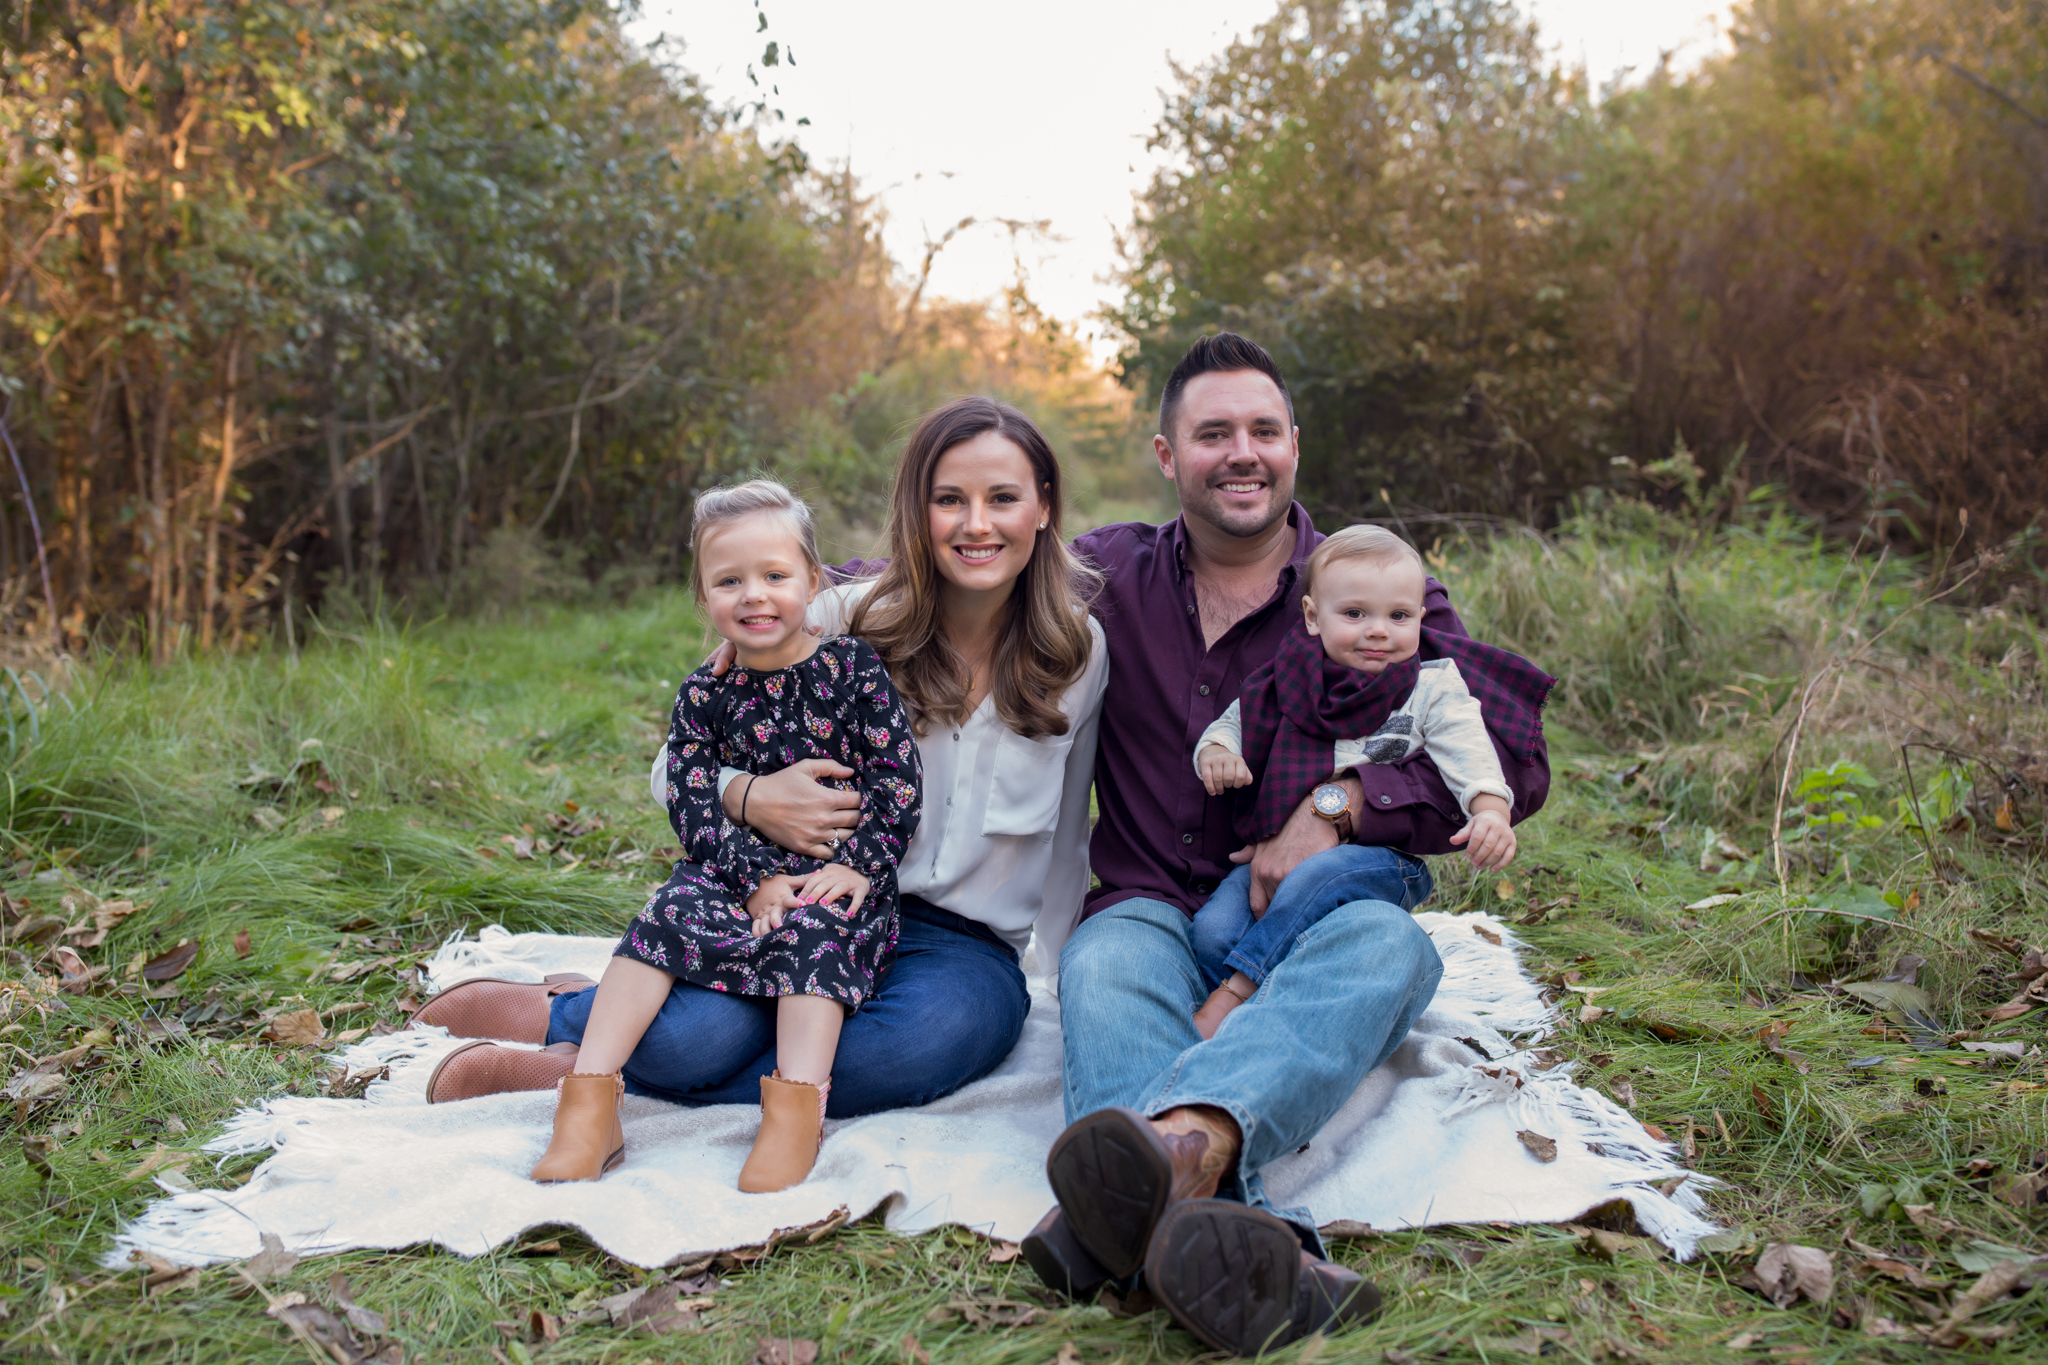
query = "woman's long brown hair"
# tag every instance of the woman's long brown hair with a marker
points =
(1045, 639)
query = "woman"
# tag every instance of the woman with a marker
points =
(981, 615)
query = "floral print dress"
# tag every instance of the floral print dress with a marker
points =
(838, 704)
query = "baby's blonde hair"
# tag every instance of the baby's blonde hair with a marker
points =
(720, 506)
(1373, 543)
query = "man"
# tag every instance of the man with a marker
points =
(1160, 1165)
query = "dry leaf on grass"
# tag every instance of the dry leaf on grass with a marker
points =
(272, 1262)
(912, 1350)
(1788, 1272)
(1544, 1149)
(1900, 1270)
(1715, 902)
(242, 948)
(1487, 934)
(1624, 1092)
(300, 1028)
(1070, 1354)
(1992, 1286)
(1002, 1253)
(657, 1308)
(784, 1351)
(168, 965)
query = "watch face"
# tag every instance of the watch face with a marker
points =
(1329, 799)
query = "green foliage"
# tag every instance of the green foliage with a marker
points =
(1813, 261)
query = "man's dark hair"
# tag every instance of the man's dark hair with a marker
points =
(1218, 353)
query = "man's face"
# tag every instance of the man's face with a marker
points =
(1234, 453)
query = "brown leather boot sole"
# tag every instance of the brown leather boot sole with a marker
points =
(486, 1068)
(1239, 1279)
(1114, 1174)
(485, 1007)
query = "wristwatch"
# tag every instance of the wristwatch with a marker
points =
(1332, 801)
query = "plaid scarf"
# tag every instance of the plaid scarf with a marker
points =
(1295, 709)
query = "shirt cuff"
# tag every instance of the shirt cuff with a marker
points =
(725, 777)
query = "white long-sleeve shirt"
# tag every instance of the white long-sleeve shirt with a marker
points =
(1003, 837)
(1440, 716)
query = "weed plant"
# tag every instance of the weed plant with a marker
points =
(348, 804)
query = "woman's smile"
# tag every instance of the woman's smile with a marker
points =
(977, 554)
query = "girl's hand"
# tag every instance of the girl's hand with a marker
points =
(831, 882)
(1492, 840)
(771, 899)
(1222, 769)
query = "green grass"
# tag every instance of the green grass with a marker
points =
(175, 788)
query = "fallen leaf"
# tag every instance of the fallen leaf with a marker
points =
(1657, 1134)
(2014, 1049)
(1544, 1149)
(1992, 1286)
(918, 1353)
(1347, 1228)
(157, 1160)
(785, 1351)
(1070, 1354)
(272, 1262)
(1900, 1270)
(1505, 889)
(2006, 817)
(1592, 1014)
(1982, 1256)
(1788, 1272)
(300, 1028)
(1002, 1253)
(242, 943)
(166, 966)
(1623, 1091)
(2014, 946)
(1714, 902)
(657, 1308)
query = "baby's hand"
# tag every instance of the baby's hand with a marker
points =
(829, 883)
(770, 900)
(1492, 840)
(1221, 769)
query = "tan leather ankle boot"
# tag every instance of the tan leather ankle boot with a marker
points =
(588, 1140)
(792, 1130)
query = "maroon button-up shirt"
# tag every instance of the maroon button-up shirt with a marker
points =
(1158, 833)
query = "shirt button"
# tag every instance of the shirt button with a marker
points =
(1187, 838)
(1191, 609)
(1386, 800)
(1205, 689)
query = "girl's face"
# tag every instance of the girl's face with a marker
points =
(985, 511)
(757, 585)
(1367, 614)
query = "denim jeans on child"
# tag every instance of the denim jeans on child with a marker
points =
(1228, 939)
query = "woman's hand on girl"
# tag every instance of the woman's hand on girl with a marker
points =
(831, 882)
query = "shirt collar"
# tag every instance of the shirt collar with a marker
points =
(1297, 517)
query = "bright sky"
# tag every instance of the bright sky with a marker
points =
(1035, 110)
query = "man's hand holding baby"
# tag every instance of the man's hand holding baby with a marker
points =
(1488, 838)
(1222, 769)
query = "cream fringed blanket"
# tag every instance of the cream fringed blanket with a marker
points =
(1428, 1138)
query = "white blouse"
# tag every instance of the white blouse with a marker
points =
(1003, 837)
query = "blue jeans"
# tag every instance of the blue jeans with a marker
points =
(1334, 1009)
(947, 1013)
(1228, 939)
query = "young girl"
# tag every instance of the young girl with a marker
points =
(740, 914)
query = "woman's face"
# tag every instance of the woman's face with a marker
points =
(985, 511)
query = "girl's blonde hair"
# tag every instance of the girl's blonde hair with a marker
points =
(720, 506)
(1373, 543)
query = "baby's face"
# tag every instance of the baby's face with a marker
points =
(1368, 615)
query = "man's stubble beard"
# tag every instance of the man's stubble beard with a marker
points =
(1207, 507)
